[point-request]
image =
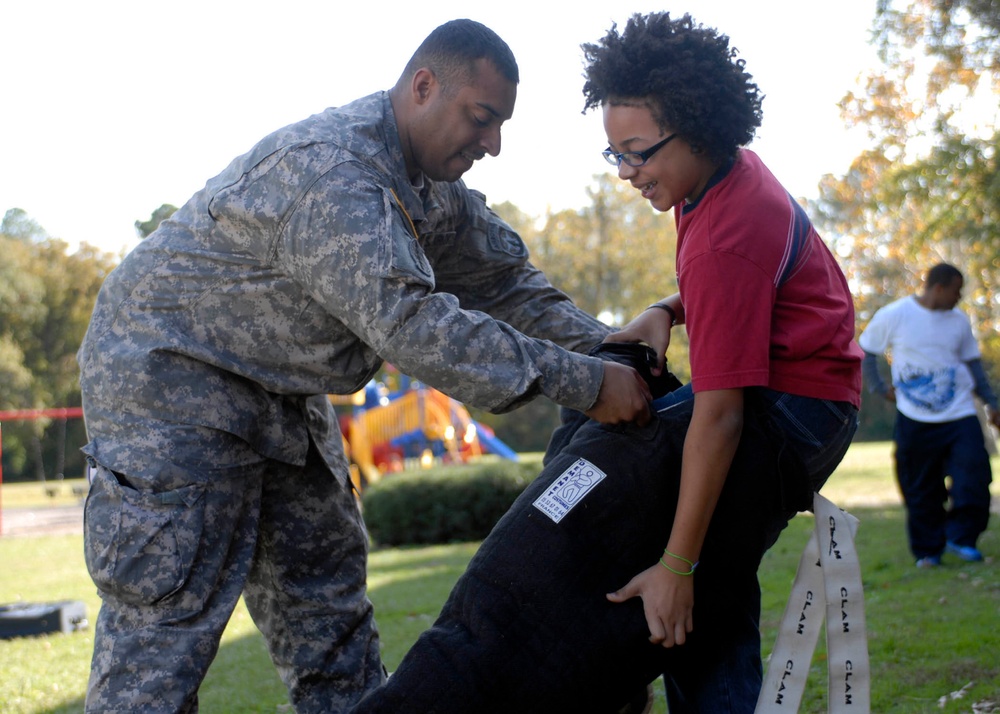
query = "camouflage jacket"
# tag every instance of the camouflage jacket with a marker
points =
(304, 265)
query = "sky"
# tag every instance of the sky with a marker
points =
(112, 108)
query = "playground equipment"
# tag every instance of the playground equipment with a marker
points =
(383, 431)
(386, 432)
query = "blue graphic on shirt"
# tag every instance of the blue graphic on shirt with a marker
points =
(929, 391)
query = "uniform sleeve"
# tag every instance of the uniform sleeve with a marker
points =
(484, 262)
(349, 243)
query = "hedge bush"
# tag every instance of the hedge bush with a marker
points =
(446, 504)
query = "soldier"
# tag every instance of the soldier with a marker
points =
(335, 243)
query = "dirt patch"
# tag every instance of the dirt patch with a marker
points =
(51, 520)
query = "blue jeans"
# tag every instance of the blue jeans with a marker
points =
(720, 669)
(816, 431)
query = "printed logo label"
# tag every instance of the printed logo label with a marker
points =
(569, 489)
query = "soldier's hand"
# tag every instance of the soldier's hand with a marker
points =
(651, 327)
(624, 396)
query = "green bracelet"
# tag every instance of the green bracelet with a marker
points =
(679, 557)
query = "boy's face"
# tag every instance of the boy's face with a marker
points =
(672, 174)
(946, 297)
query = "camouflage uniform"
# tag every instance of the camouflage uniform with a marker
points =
(220, 468)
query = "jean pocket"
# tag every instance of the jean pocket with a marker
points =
(808, 421)
(140, 547)
(799, 427)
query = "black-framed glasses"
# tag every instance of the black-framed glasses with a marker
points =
(635, 158)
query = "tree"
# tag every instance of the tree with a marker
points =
(144, 228)
(46, 297)
(18, 224)
(928, 189)
(613, 257)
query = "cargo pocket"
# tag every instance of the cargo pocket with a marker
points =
(140, 547)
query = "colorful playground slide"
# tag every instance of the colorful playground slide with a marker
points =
(386, 432)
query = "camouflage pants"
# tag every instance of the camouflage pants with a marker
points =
(172, 549)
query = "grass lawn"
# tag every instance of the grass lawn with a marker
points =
(934, 636)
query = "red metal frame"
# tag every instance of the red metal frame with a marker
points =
(31, 415)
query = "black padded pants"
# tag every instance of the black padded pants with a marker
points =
(528, 628)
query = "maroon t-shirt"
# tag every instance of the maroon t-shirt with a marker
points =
(765, 303)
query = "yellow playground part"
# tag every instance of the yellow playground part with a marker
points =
(420, 422)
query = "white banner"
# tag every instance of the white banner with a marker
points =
(827, 584)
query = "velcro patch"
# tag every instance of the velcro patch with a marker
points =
(569, 489)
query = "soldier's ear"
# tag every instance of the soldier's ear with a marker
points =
(423, 85)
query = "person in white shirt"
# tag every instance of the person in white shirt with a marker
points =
(936, 369)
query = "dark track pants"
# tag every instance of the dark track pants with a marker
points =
(925, 455)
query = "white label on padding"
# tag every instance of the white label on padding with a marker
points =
(569, 489)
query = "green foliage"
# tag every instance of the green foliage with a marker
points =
(18, 224)
(46, 297)
(928, 189)
(876, 419)
(877, 416)
(444, 505)
(144, 228)
(527, 428)
(614, 258)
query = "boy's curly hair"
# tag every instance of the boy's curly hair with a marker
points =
(685, 72)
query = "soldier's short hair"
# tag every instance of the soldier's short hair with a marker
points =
(452, 49)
